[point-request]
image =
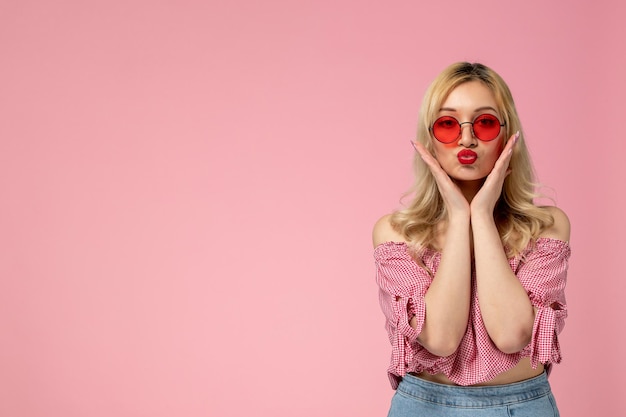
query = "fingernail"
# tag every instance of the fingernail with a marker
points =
(516, 137)
(416, 150)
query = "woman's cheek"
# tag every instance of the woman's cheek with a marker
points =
(501, 146)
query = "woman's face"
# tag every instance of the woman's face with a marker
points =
(468, 158)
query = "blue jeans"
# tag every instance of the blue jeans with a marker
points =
(416, 397)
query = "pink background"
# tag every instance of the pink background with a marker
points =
(188, 190)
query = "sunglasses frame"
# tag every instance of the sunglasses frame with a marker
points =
(432, 131)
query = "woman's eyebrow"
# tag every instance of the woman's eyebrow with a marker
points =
(476, 110)
(486, 108)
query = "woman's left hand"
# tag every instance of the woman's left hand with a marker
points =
(485, 200)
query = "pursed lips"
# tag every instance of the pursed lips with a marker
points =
(467, 157)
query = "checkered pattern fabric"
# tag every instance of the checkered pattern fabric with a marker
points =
(542, 270)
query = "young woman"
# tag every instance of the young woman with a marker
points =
(472, 273)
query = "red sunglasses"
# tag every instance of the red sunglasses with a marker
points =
(485, 127)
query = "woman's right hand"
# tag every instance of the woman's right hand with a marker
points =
(454, 200)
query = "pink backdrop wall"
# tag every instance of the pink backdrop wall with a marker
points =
(188, 189)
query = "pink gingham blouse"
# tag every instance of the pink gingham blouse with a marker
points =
(542, 270)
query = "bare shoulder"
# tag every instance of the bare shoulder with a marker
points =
(384, 232)
(561, 227)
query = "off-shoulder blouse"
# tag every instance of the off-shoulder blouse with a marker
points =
(542, 271)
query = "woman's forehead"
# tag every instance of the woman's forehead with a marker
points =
(469, 96)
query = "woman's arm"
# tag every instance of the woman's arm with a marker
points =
(504, 304)
(447, 297)
(506, 309)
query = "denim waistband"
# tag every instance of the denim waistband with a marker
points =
(483, 396)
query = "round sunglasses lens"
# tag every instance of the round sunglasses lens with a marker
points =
(446, 129)
(486, 127)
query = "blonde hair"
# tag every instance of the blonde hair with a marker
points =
(518, 219)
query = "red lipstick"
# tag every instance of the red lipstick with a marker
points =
(467, 157)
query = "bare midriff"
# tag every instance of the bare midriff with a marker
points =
(522, 371)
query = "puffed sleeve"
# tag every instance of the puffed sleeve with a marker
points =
(402, 286)
(543, 273)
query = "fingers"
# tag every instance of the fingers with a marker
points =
(432, 163)
(508, 149)
(449, 191)
(505, 157)
(421, 150)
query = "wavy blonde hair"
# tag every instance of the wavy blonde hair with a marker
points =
(518, 219)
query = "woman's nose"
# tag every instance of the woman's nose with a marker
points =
(467, 138)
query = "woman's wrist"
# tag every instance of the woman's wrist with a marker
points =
(482, 215)
(459, 216)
